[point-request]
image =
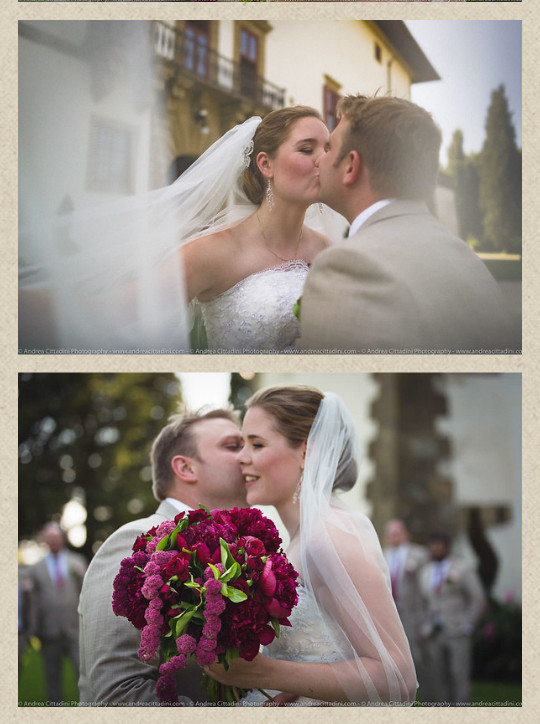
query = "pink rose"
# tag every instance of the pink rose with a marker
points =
(178, 566)
(254, 563)
(267, 635)
(254, 547)
(202, 551)
(275, 609)
(267, 583)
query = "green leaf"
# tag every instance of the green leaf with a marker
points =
(163, 543)
(226, 556)
(183, 523)
(215, 571)
(233, 594)
(203, 507)
(232, 573)
(182, 622)
(225, 553)
(275, 626)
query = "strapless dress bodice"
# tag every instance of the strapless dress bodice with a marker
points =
(256, 314)
(308, 639)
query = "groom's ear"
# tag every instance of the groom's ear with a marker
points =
(182, 467)
(353, 167)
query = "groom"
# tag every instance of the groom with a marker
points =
(401, 282)
(193, 461)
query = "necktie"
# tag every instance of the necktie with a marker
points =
(438, 577)
(58, 575)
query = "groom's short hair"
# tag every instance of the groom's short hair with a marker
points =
(177, 438)
(398, 142)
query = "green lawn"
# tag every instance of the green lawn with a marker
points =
(32, 686)
(32, 682)
(487, 693)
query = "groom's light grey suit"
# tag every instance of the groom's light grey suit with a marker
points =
(403, 282)
(111, 672)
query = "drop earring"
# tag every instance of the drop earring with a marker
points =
(270, 196)
(298, 488)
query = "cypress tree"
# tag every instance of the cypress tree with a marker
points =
(500, 178)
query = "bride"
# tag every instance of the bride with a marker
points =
(346, 642)
(228, 233)
(248, 277)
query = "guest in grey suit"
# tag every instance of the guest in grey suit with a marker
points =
(193, 462)
(405, 561)
(454, 600)
(55, 584)
(401, 282)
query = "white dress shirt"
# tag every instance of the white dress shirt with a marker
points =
(180, 507)
(366, 213)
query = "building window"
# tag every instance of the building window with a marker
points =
(196, 46)
(110, 163)
(249, 62)
(378, 53)
(330, 101)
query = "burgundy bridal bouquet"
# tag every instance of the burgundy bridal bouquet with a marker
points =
(208, 586)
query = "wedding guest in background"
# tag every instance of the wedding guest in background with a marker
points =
(405, 560)
(55, 583)
(193, 461)
(454, 600)
(26, 614)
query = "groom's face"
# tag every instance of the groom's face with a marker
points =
(219, 478)
(330, 168)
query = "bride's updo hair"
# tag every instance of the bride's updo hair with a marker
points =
(293, 410)
(272, 131)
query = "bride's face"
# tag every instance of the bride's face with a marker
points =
(270, 466)
(295, 173)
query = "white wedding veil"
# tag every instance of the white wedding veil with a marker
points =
(101, 275)
(344, 567)
(111, 273)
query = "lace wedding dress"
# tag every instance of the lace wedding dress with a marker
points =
(307, 640)
(256, 314)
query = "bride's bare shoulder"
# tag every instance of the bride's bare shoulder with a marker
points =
(208, 261)
(217, 244)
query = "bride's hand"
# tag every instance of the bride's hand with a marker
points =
(243, 674)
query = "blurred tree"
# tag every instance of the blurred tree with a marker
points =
(242, 387)
(463, 170)
(500, 178)
(88, 436)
